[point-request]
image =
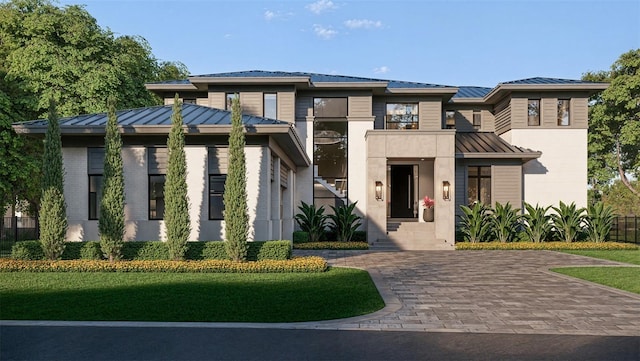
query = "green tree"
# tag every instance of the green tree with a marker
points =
(171, 70)
(620, 198)
(176, 213)
(614, 128)
(236, 217)
(111, 222)
(53, 219)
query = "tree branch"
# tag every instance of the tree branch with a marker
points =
(623, 176)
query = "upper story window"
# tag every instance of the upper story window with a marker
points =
(402, 116)
(477, 119)
(563, 112)
(270, 105)
(450, 119)
(189, 101)
(229, 100)
(330, 107)
(533, 112)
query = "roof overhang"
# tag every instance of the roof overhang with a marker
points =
(358, 85)
(524, 156)
(503, 90)
(487, 145)
(468, 100)
(169, 87)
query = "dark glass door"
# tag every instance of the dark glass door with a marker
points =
(402, 191)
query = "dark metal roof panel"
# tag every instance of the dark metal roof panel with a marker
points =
(160, 115)
(546, 81)
(472, 92)
(487, 144)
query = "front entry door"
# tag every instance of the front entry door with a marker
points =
(402, 191)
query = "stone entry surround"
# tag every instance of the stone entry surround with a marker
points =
(487, 292)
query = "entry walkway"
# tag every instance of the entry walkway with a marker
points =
(486, 291)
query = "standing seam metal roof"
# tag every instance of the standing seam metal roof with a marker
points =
(546, 81)
(159, 115)
(487, 142)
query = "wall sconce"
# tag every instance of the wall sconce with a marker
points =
(378, 190)
(446, 195)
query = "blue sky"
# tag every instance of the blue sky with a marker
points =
(442, 42)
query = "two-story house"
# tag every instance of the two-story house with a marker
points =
(332, 140)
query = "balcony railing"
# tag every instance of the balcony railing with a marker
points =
(404, 121)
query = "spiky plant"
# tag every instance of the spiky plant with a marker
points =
(311, 220)
(476, 223)
(176, 213)
(111, 222)
(567, 221)
(344, 222)
(505, 222)
(236, 216)
(599, 220)
(538, 222)
(53, 214)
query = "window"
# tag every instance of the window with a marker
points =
(270, 105)
(95, 169)
(330, 143)
(156, 168)
(402, 116)
(229, 101)
(217, 168)
(477, 119)
(216, 196)
(95, 195)
(563, 112)
(450, 119)
(533, 112)
(479, 185)
(189, 101)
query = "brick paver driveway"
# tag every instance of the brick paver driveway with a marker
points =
(487, 291)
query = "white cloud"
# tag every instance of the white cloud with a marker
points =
(325, 33)
(227, 36)
(320, 6)
(381, 70)
(363, 24)
(269, 15)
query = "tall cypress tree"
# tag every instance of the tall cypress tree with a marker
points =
(111, 222)
(53, 218)
(236, 217)
(176, 213)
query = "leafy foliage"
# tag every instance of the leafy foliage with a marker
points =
(599, 221)
(555, 246)
(476, 223)
(344, 222)
(236, 215)
(620, 198)
(538, 222)
(567, 221)
(111, 222)
(614, 128)
(176, 214)
(505, 222)
(311, 220)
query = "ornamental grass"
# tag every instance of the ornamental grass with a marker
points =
(552, 246)
(332, 245)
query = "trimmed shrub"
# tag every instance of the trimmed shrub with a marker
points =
(300, 237)
(276, 250)
(141, 251)
(299, 264)
(332, 245)
(330, 236)
(27, 250)
(91, 251)
(552, 246)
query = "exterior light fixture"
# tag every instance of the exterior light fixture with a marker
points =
(378, 190)
(446, 194)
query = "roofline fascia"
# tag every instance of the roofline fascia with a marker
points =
(337, 84)
(249, 80)
(443, 91)
(524, 156)
(170, 87)
(473, 100)
(502, 88)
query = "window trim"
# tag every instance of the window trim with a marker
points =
(560, 120)
(539, 115)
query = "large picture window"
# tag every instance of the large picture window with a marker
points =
(402, 116)
(330, 147)
(479, 185)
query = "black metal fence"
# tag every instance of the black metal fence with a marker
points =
(14, 229)
(625, 229)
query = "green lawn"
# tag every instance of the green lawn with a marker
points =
(632, 257)
(624, 278)
(288, 297)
